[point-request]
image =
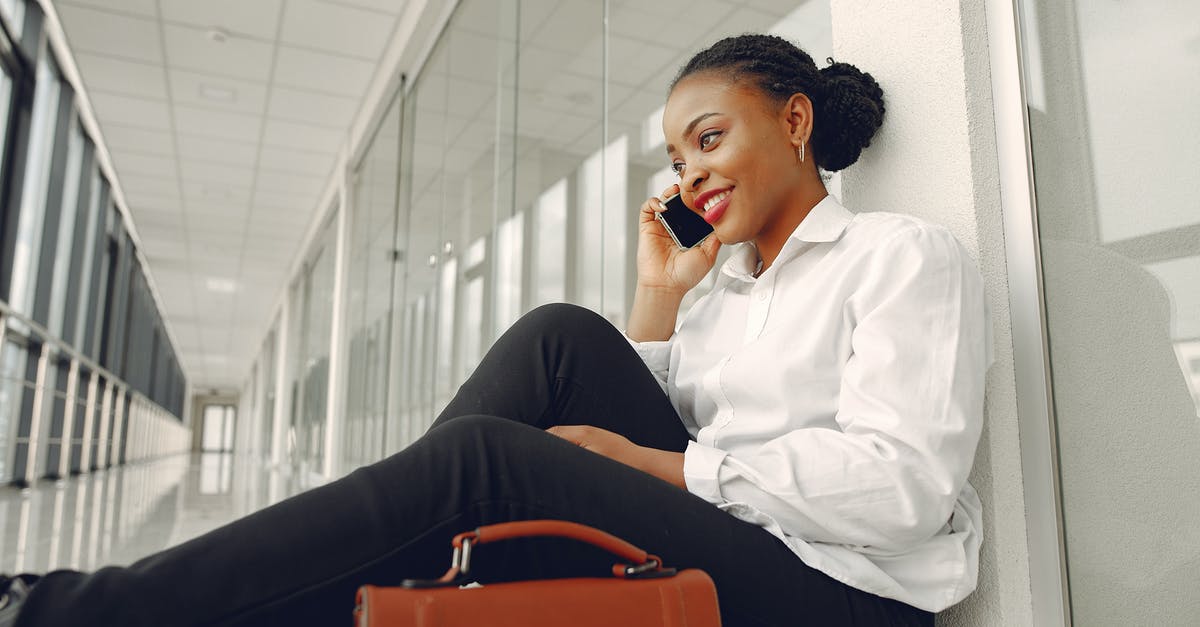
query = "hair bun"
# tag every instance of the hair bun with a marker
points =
(850, 112)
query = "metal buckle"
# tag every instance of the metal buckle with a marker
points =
(462, 559)
(634, 571)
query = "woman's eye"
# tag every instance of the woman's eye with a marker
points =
(677, 167)
(708, 138)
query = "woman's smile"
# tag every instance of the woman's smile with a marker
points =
(713, 204)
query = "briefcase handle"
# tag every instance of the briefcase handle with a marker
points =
(644, 565)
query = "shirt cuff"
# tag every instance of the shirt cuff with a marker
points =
(701, 466)
(657, 355)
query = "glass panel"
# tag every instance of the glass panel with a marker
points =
(528, 142)
(458, 184)
(80, 422)
(294, 355)
(12, 392)
(509, 255)
(560, 125)
(14, 14)
(227, 434)
(214, 424)
(372, 260)
(318, 322)
(92, 218)
(66, 227)
(5, 104)
(55, 415)
(1120, 250)
(550, 245)
(267, 438)
(33, 195)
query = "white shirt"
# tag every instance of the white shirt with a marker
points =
(837, 400)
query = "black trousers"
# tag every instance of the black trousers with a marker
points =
(485, 460)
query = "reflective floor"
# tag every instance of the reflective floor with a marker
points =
(122, 514)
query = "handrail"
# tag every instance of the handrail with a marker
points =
(7, 312)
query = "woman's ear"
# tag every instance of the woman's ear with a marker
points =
(799, 115)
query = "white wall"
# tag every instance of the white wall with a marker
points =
(935, 157)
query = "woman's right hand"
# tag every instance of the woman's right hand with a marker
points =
(661, 264)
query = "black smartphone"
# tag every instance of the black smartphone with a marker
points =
(685, 226)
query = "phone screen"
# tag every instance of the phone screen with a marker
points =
(686, 227)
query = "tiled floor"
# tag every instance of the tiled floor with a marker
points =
(121, 514)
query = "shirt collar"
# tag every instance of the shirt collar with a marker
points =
(825, 222)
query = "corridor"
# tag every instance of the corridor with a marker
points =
(121, 514)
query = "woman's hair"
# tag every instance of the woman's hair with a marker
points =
(847, 102)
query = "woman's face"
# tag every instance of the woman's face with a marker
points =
(733, 150)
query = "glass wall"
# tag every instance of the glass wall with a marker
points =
(1110, 90)
(508, 175)
(372, 259)
(218, 428)
(311, 305)
(81, 336)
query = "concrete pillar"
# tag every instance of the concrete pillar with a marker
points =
(936, 158)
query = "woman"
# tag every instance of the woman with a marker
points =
(821, 410)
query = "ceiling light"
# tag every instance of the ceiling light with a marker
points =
(223, 286)
(217, 94)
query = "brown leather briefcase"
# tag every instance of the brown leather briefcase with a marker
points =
(641, 593)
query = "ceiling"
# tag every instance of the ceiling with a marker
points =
(224, 119)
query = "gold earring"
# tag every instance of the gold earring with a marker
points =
(801, 151)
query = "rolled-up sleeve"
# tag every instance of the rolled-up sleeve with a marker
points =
(657, 356)
(910, 411)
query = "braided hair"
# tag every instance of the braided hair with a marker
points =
(847, 102)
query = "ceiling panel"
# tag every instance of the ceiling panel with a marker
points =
(222, 124)
(304, 136)
(322, 71)
(316, 164)
(134, 185)
(141, 8)
(257, 18)
(568, 29)
(390, 7)
(157, 203)
(226, 176)
(335, 28)
(131, 111)
(145, 165)
(290, 184)
(163, 223)
(191, 48)
(112, 34)
(201, 194)
(134, 139)
(120, 76)
(242, 153)
(222, 93)
(310, 107)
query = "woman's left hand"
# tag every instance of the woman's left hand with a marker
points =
(665, 465)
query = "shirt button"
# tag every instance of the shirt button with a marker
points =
(762, 296)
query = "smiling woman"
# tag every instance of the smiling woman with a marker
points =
(804, 436)
(758, 104)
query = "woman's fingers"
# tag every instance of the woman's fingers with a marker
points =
(649, 209)
(709, 247)
(670, 191)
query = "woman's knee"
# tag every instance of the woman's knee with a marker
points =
(563, 321)
(476, 434)
(565, 317)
